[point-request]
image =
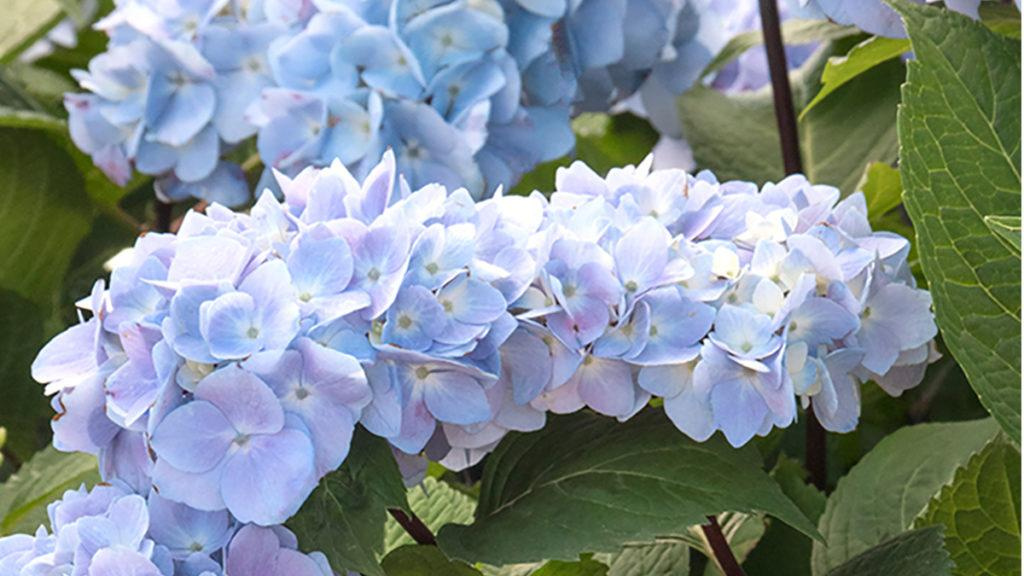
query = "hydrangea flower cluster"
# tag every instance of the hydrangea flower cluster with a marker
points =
(112, 531)
(226, 367)
(168, 97)
(466, 93)
(877, 17)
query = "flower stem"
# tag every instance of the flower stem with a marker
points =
(814, 445)
(723, 555)
(414, 527)
(785, 116)
(789, 138)
(163, 215)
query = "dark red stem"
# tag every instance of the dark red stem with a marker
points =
(163, 215)
(414, 527)
(782, 94)
(720, 548)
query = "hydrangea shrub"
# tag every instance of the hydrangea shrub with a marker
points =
(621, 371)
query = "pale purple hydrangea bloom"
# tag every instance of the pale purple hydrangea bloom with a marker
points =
(111, 531)
(224, 370)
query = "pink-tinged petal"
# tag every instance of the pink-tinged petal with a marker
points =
(248, 403)
(194, 438)
(294, 563)
(81, 424)
(606, 385)
(417, 427)
(268, 478)
(253, 552)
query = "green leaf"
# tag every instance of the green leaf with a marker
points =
(510, 569)
(423, 561)
(783, 550)
(882, 189)
(590, 484)
(436, 504)
(19, 118)
(960, 155)
(864, 56)
(916, 553)
(1007, 229)
(663, 557)
(883, 192)
(736, 135)
(603, 142)
(24, 410)
(44, 213)
(980, 510)
(891, 485)
(41, 480)
(794, 33)
(583, 567)
(1001, 18)
(45, 87)
(344, 517)
(24, 22)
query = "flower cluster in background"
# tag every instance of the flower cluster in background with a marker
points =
(876, 17)
(466, 93)
(112, 531)
(226, 367)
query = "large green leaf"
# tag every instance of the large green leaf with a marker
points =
(23, 22)
(736, 136)
(423, 561)
(960, 162)
(783, 550)
(24, 411)
(864, 56)
(44, 212)
(590, 484)
(344, 517)
(891, 485)
(436, 504)
(980, 510)
(916, 553)
(41, 480)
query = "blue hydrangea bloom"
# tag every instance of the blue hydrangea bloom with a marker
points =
(470, 94)
(168, 97)
(222, 373)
